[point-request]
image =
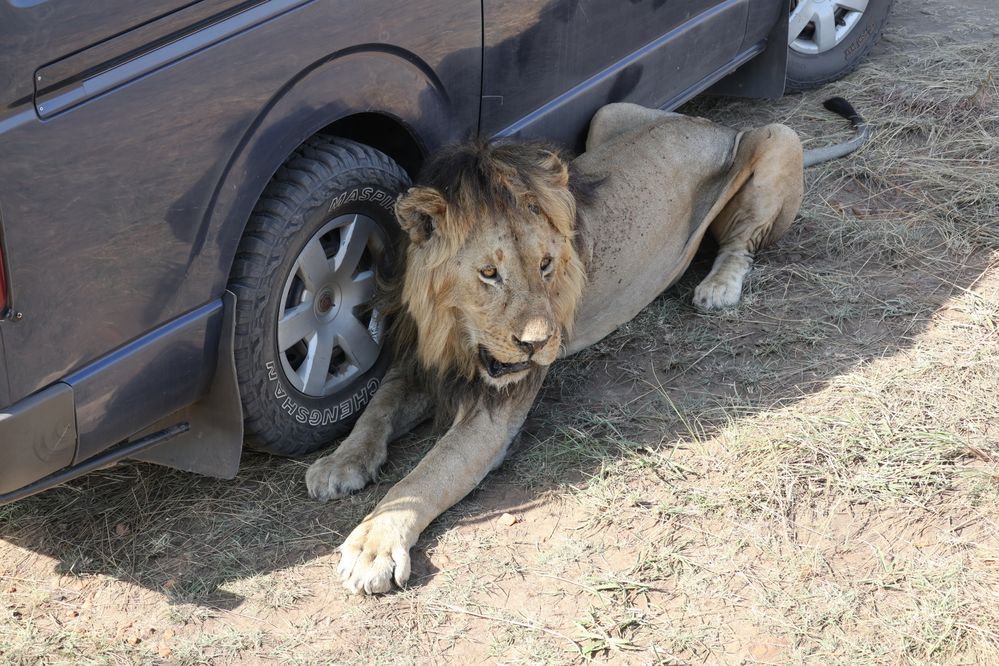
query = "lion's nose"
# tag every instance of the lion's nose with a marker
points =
(535, 335)
(531, 346)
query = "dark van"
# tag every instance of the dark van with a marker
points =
(195, 195)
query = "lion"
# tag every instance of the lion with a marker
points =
(516, 256)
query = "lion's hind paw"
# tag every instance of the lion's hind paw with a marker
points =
(716, 292)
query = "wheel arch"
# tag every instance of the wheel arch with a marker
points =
(380, 96)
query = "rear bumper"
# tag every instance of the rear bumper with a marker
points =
(37, 437)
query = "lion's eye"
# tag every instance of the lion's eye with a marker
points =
(489, 272)
(546, 264)
(534, 208)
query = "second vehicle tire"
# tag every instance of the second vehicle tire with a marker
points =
(829, 38)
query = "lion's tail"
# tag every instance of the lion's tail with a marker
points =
(840, 106)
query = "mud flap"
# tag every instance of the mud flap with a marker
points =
(763, 76)
(213, 444)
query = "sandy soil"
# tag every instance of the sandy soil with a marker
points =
(810, 478)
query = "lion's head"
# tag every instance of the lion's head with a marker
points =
(492, 275)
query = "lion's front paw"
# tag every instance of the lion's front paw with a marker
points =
(337, 475)
(373, 556)
(713, 294)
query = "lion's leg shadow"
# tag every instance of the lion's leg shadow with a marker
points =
(759, 213)
(394, 410)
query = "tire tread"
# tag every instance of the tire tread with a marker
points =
(296, 187)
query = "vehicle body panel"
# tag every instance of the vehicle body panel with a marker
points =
(128, 243)
(395, 85)
(757, 77)
(534, 51)
(42, 31)
(157, 374)
(689, 52)
(213, 443)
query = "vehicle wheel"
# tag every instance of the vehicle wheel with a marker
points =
(308, 343)
(828, 38)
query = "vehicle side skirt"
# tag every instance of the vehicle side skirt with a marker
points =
(38, 435)
(157, 374)
(106, 459)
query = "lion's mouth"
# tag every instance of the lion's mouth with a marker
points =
(497, 368)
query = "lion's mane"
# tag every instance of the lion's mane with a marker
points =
(477, 181)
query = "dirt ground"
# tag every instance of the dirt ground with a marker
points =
(809, 478)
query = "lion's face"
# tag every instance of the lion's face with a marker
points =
(492, 276)
(505, 281)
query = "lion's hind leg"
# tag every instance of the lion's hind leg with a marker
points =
(759, 212)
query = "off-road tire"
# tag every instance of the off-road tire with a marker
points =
(807, 72)
(325, 178)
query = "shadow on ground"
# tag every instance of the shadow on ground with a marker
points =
(186, 536)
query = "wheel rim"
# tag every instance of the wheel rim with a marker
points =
(327, 332)
(816, 26)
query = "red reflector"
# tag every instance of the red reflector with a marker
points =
(3, 284)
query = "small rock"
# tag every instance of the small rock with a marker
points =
(758, 651)
(121, 529)
(133, 640)
(508, 519)
(168, 634)
(164, 650)
(768, 652)
(11, 590)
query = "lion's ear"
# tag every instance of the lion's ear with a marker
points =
(555, 197)
(556, 166)
(420, 211)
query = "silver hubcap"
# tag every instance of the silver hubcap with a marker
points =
(819, 25)
(327, 333)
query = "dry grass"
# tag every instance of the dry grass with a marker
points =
(810, 478)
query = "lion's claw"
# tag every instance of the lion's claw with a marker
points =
(372, 557)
